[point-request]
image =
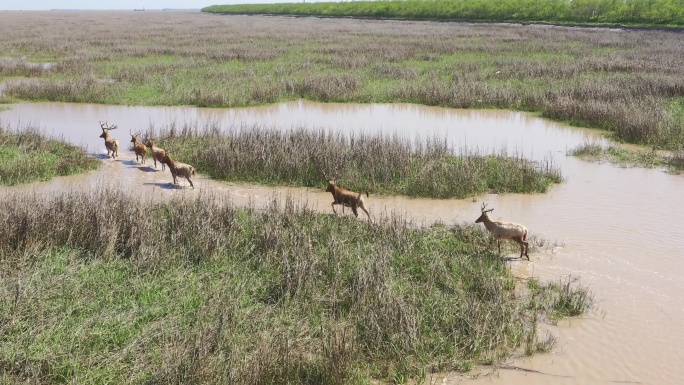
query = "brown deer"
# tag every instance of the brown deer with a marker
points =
(111, 143)
(157, 154)
(346, 198)
(505, 230)
(139, 148)
(178, 169)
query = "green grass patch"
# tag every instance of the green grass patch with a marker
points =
(590, 12)
(100, 287)
(28, 156)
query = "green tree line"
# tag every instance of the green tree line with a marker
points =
(616, 12)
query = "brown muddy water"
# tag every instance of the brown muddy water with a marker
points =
(617, 229)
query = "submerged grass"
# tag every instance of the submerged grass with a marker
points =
(27, 155)
(380, 164)
(102, 287)
(672, 161)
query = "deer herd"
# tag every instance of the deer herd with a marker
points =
(346, 198)
(158, 154)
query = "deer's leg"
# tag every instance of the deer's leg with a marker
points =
(524, 245)
(333, 207)
(356, 213)
(191, 185)
(366, 211)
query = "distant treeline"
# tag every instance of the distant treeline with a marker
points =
(610, 12)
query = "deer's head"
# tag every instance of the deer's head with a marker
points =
(105, 129)
(483, 217)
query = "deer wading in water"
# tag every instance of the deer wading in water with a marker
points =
(505, 230)
(111, 143)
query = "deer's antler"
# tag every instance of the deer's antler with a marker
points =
(484, 206)
(105, 126)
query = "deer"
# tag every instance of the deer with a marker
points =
(346, 198)
(111, 143)
(178, 169)
(504, 230)
(157, 154)
(139, 148)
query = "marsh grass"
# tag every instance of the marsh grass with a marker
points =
(566, 298)
(27, 155)
(100, 286)
(630, 82)
(672, 161)
(381, 164)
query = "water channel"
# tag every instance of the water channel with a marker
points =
(617, 229)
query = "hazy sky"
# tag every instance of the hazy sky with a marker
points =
(121, 4)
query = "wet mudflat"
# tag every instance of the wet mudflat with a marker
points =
(617, 229)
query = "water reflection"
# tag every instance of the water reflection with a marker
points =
(515, 132)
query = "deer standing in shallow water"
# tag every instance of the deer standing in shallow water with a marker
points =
(138, 147)
(111, 143)
(157, 154)
(178, 169)
(505, 230)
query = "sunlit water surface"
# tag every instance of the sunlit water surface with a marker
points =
(618, 229)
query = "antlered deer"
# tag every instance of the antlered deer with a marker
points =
(157, 154)
(178, 169)
(139, 148)
(111, 143)
(346, 198)
(505, 230)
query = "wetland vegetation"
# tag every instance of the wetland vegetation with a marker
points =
(628, 82)
(380, 164)
(585, 12)
(105, 287)
(673, 162)
(27, 155)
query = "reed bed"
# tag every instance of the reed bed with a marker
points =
(103, 287)
(381, 164)
(630, 82)
(28, 155)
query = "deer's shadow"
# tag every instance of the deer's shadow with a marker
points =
(167, 185)
(103, 157)
(145, 168)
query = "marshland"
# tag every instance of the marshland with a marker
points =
(115, 275)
